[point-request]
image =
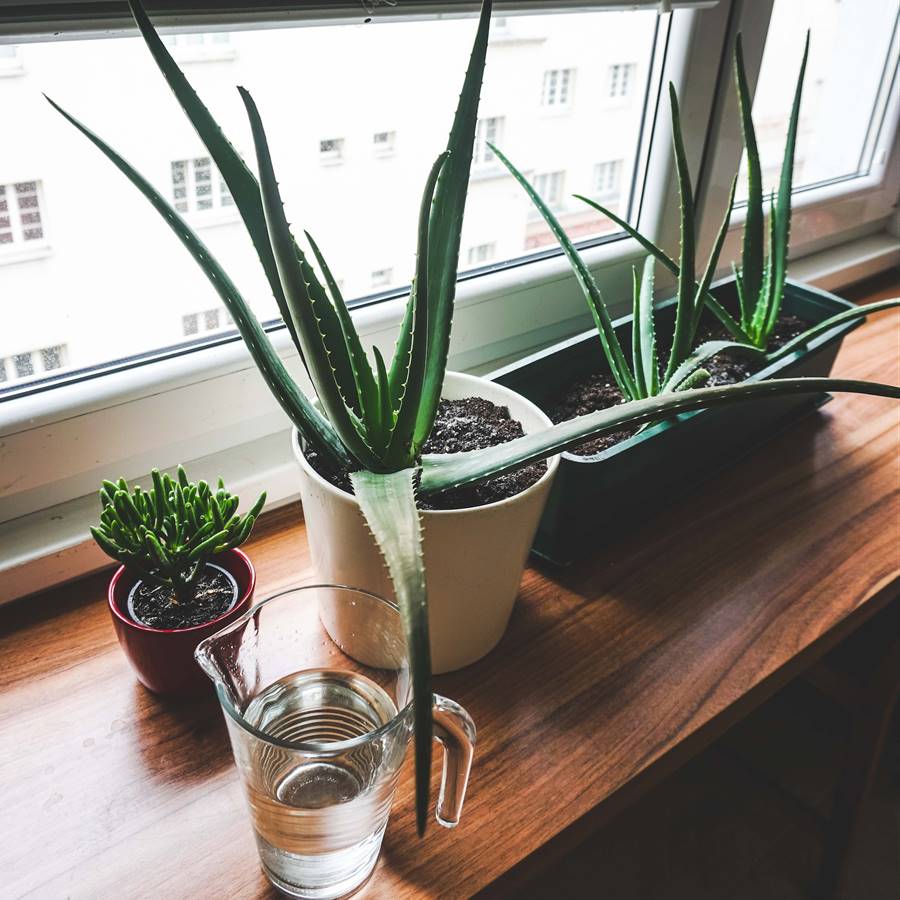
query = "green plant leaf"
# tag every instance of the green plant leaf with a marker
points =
(388, 503)
(404, 449)
(752, 253)
(782, 214)
(699, 355)
(445, 228)
(441, 472)
(310, 422)
(366, 389)
(646, 368)
(240, 180)
(665, 260)
(713, 262)
(849, 315)
(309, 329)
(684, 307)
(612, 349)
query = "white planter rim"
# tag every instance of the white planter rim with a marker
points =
(552, 462)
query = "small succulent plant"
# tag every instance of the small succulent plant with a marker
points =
(169, 533)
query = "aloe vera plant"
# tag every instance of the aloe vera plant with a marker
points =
(376, 419)
(168, 533)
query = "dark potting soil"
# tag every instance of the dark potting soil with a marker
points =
(469, 424)
(599, 391)
(155, 606)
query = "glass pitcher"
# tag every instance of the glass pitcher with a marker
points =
(319, 736)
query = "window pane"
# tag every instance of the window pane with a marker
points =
(351, 164)
(848, 60)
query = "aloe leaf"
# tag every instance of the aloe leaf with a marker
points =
(388, 503)
(698, 356)
(665, 260)
(441, 472)
(611, 346)
(766, 298)
(782, 229)
(367, 392)
(310, 422)
(315, 347)
(849, 315)
(684, 307)
(637, 363)
(399, 371)
(446, 227)
(404, 448)
(752, 252)
(385, 411)
(643, 326)
(240, 180)
(713, 262)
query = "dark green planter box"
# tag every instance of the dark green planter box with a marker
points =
(598, 496)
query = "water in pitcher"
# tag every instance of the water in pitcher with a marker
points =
(323, 817)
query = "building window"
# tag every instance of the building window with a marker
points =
(488, 131)
(21, 221)
(10, 60)
(622, 79)
(197, 186)
(550, 187)
(331, 150)
(201, 47)
(607, 178)
(206, 320)
(382, 278)
(384, 142)
(481, 253)
(33, 362)
(557, 87)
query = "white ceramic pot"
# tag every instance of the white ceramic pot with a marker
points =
(474, 557)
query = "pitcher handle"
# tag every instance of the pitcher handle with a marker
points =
(455, 731)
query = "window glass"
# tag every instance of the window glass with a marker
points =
(115, 284)
(850, 66)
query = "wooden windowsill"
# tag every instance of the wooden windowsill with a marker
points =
(612, 673)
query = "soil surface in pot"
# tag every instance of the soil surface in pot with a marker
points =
(599, 391)
(469, 424)
(155, 606)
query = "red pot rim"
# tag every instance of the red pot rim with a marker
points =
(120, 572)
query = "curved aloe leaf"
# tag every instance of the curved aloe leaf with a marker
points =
(611, 346)
(646, 369)
(312, 425)
(403, 448)
(849, 315)
(366, 391)
(664, 259)
(309, 328)
(240, 180)
(445, 228)
(782, 229)
(699, 356)
(443, 471)
(388, 503)
(684, 308)
(752, 253)
(713, 262)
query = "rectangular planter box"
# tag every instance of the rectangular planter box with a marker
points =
(597, 496)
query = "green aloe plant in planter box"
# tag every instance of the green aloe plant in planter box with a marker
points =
(181, 577)
(375, 419)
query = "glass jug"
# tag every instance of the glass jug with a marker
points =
(319, 736)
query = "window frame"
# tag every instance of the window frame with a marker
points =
(206, 405)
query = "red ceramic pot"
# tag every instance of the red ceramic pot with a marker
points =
(163, 659)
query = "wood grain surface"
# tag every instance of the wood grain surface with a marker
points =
(612, 673)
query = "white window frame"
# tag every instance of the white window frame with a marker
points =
(208, 49)
(210, 409)
(615, 167)
(219, 213)
(333, 156)
(21, 250)
(624, 73)
(12, 66)
(387, 147)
